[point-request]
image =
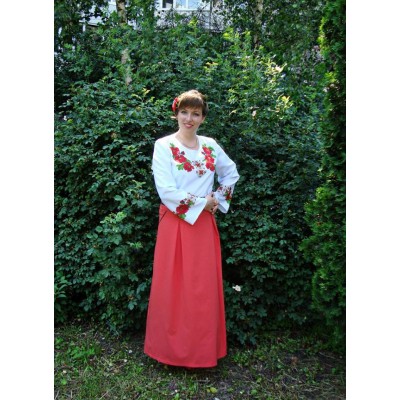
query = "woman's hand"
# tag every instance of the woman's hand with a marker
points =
(212, 203)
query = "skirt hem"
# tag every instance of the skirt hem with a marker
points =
(173, 364)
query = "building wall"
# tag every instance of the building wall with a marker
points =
(206, 13)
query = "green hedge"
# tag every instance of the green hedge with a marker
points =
(326, 247)
(106, 204)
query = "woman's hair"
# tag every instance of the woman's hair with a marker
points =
(190, 99)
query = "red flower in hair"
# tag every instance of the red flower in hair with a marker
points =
(174, 104)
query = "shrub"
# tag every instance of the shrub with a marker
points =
(106, 204)
(105, 197)
(276, 149)
(326, 214)
(61, 285)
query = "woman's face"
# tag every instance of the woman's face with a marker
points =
(190, 119)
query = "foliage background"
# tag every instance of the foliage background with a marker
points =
(113, 90)
(326, 213)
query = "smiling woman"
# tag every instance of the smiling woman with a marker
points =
(189, 120)
(186, 314)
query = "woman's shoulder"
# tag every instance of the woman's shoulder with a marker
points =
(207, 140)
(165, 140)
(210, 142)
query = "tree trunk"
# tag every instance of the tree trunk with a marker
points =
(125, 57)
(121, 9)
(258, 12)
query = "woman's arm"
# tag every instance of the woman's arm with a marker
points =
(227, 177)
(182, 203)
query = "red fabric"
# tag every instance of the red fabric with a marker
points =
(186, 314)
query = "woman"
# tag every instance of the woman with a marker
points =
(186, 315)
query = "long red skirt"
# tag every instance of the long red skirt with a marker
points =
(186, 314)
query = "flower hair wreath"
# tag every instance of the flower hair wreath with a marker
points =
(175, 104)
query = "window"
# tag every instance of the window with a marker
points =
(167, 3)
(184, 4)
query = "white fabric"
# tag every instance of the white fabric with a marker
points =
(183, 176)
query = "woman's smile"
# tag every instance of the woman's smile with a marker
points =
(190, 118)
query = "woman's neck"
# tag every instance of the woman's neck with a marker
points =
(188, 139)
(186, 135)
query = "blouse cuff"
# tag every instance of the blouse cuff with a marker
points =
(224, 196)
(190, 208)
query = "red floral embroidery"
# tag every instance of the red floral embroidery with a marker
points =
(209, 157)
(188, 166)
(185, 205)
(207, 150)
(200, 166)
(200, 170)
(226, 191)
(210, 166)
(175, 150)
(180, 157)
(182, 209)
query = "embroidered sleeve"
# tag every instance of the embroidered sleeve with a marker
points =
(226, 192)
(227, 177)
(185, 205)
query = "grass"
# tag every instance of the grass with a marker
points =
(90, 364)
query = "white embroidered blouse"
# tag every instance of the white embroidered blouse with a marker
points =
(184, 176)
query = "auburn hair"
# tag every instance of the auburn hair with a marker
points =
(191, 99)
